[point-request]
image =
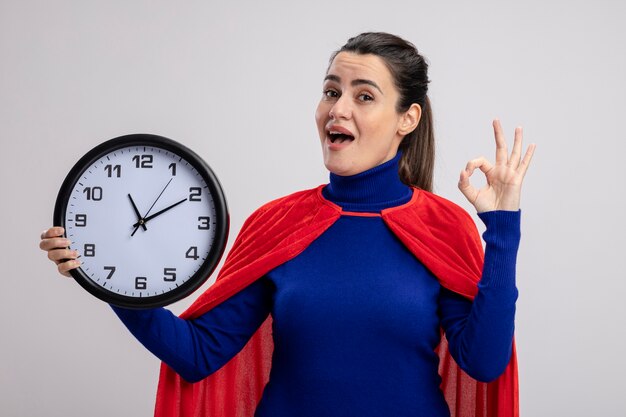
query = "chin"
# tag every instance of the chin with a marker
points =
(339, 168)
(343, 169)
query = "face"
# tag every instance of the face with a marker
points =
(357, 121)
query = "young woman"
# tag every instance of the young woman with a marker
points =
(348, 299)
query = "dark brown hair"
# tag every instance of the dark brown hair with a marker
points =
(410, 75)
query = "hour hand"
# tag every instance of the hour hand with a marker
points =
(137, 213)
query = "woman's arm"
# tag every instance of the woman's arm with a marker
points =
(196, 348)
(480, 333)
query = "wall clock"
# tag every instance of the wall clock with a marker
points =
(148, 218)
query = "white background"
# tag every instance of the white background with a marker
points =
(239, 85)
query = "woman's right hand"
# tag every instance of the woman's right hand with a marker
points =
(53, 242)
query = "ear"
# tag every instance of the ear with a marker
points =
(410, 119)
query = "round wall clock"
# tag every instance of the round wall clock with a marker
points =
(148, 218)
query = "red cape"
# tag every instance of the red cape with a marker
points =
(439, 233)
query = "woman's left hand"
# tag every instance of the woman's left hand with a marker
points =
(504, 179)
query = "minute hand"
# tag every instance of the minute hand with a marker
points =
(159, 213)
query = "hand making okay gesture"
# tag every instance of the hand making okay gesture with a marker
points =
(504, 179)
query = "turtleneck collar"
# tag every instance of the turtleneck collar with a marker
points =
(373, 190)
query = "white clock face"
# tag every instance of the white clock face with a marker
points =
(129, 256)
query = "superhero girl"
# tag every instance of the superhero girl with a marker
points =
(366, 296)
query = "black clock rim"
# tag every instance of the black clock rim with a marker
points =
(221, 228)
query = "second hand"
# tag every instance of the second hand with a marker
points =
(157, 199)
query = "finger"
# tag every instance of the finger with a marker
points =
(481, 162)
(514, 160)
(54, 243)
(65, 267)
(52, 232)
(502, 152)
(523, 166)
(466, 188)
(60, 255)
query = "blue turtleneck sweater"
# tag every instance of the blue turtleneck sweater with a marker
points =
(356, 316)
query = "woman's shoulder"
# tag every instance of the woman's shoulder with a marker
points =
(427, 203)
(303, 201)
(288, 201)
(298, 197)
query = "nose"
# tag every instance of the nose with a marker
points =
(342, 108)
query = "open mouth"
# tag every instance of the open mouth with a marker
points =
(337, 137)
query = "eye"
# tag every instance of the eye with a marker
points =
(330, 93)
(365, 97)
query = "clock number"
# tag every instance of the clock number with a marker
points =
(170, 274)
(111, 270)
(195, 193)
(204, 222)
(89, 249)
(110, 168)
(173, 168)
(140, 283)
(143, 161)
(94, 193)
(192, 253)
(80, 220)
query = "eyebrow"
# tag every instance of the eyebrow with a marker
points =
(354, 83)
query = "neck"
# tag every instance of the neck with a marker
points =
(373, 190)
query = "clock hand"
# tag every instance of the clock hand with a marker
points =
(136, 211)
(157, 199)
(159, 196)
(145, 220)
